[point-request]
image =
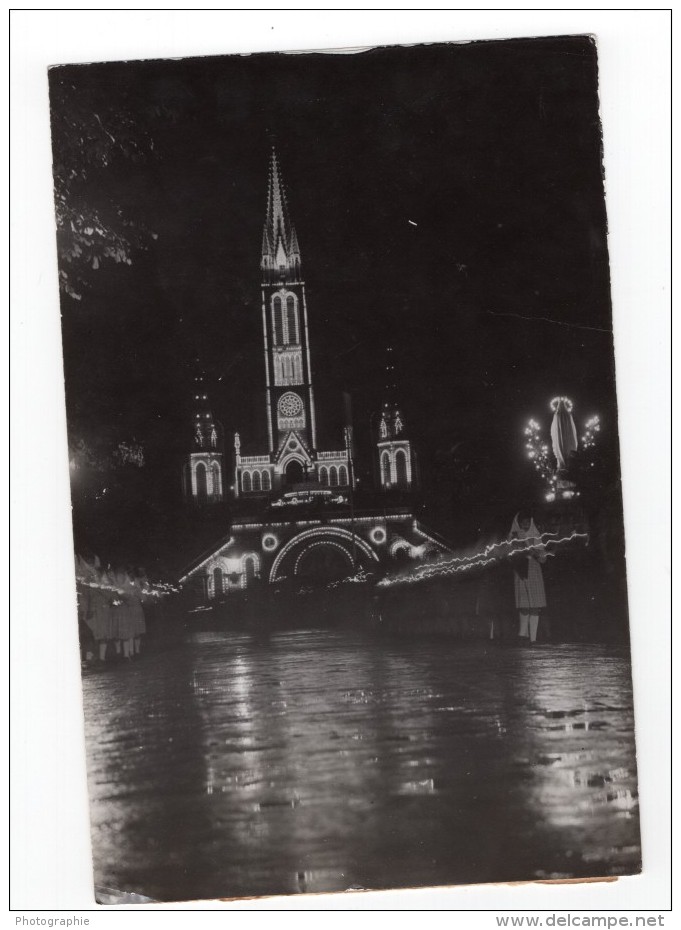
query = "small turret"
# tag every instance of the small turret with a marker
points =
(202, 472)
(395, 456)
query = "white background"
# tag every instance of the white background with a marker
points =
(51, 853)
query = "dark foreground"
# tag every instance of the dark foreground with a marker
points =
(251, 764)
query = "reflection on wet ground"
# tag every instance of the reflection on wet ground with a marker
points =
(321, 760)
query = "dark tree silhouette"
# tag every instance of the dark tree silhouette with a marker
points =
(91, 140)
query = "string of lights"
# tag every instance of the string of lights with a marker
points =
(539, 453)
(158, 590)
(591, 428)
(493, 553)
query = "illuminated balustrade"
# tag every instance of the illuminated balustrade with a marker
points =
(330, 456)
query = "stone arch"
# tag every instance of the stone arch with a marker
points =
(314, 549)
(217, 481)
(292, 319)
(294, 471)
(399, 545)
(330, 533)
(277, 321)
(218, 584)
(385, 468)
(201, 483)
(250, 568)
(401, 473)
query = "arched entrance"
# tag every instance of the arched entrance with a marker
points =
(294, 472)
(322, 562)
(308, 553)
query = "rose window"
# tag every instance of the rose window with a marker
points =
(290, 405)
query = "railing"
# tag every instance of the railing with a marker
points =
(254, 460)
(326, 456)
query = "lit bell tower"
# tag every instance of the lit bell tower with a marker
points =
(289, 394)
(202, 473)
(396, 463)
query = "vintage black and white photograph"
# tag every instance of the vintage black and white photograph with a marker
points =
(345, 477)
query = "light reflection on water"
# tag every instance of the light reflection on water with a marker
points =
(319, 761)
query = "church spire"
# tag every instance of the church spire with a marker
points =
(280, 252)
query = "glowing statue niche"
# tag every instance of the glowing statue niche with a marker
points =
(563, 432)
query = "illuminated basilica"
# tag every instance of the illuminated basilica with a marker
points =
(297, 516)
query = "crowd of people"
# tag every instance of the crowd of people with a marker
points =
(530, 596)
(111, 615)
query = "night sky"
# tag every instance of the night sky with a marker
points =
(495, 297)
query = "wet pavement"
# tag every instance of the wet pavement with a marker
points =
(251, 764)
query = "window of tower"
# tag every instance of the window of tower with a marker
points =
(246, 481)
(278, 321)
(217, 482)
(291, 320)
(323, 475)
(266, 481)
(343, 476)
(201, 483)
(385, 468)
(333, 476)
(256, 480)
(401, 468)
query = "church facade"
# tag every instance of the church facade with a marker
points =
(297, 515)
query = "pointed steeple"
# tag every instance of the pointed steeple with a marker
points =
(280, 251)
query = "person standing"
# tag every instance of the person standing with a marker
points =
(530, 596)
(138, 585)
(125, 604)
(99, 613)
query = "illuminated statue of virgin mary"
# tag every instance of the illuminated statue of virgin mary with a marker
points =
(563, 432)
